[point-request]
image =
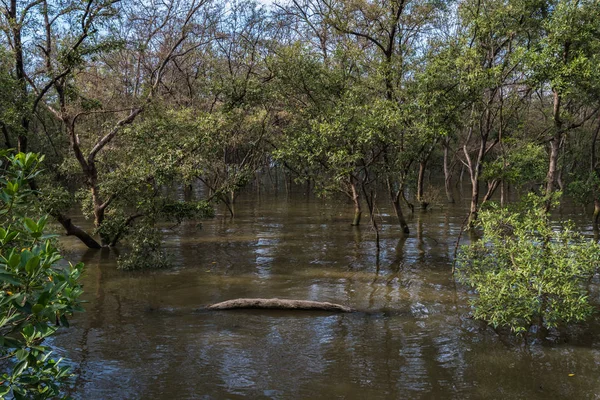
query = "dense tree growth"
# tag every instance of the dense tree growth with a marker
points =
(352, 96)
(131, 101)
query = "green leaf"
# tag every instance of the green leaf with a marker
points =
(21, 354)
(37, 308)
(30, 224)
(32, 264)
(20, 367)
(7, 277)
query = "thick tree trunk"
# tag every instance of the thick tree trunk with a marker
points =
(279, 304)
(74, 230)
(188, 192)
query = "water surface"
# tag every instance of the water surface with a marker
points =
(144, 335)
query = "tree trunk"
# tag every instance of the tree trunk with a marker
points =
(278, 304)
(20, 75)
(420, 185)
(370, 199)
(395, 197)
(475, 172)
(74, 230)
(447, 174)
(596, 213)
(357, 207)
(555, 143)
(492, 186)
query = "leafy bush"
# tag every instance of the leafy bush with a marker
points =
(526, 271)
(146, 250)
(36, 295)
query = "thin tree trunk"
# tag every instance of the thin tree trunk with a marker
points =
(492, 186)
(596, 213)
(395, 198)
(475, 172)
(420, 185)
(555, 143)
(357, 206)
(370, 199)
(447, 174)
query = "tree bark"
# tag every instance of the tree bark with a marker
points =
(279, 304)
(357, 206)
(475, 172)
(74, 230)
(596, 213)
(447, 173)
(395, 198)
(492, 186)
(420, 185)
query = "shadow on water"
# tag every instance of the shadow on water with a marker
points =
(143, 336)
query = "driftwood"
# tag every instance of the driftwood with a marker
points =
(278, 304)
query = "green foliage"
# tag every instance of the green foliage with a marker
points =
(14, 104)
(568, 54)
(527, 271)
(518, 164)
(585, 189)
(146, 250)
(179, 211)
(36, 295)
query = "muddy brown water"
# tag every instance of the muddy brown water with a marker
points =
(143, 336)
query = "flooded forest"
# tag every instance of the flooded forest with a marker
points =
(290, 199)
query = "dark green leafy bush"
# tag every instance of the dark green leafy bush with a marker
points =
(36, 294)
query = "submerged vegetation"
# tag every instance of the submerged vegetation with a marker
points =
(153, 112)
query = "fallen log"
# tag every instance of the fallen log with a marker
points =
(278, 304)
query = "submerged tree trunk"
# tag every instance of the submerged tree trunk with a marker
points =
(357, 206)
(278, 304)
(447, 173)
(395, 198)
(74, 230)
(420, 185)
(370, 199)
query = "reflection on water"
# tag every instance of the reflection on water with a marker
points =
(144, 335)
